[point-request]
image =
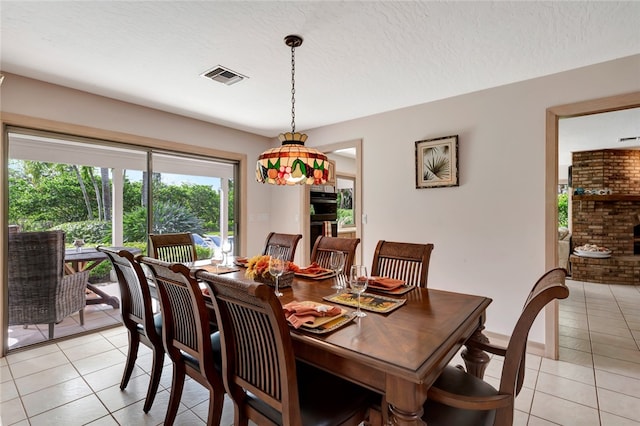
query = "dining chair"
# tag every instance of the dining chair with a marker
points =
(404, 261)
(460, 398)
(137, 315)
(324, 246)
(176, 247)
(264, 380)
(38, 290)
(288, 243)
(193, 349)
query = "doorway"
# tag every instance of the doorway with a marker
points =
(348, 158)
(553, 115)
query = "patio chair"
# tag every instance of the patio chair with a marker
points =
(460, 398)
(138, 317)
(39, 292)
(324, 246)
(288, 242)
(403, 261)
(194, 350)
(177, 247)
(264, 380)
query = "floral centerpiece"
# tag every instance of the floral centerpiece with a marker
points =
(258, 270)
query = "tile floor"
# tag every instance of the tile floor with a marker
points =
(595, 382)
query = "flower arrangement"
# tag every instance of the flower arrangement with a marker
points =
(258, 270)
(258, 266)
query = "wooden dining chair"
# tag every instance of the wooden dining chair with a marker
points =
(288, 243)
(194, 350)
(404, 261)
(324, 246)
(262, 377)
(138, 318)
(459, 398)
(177, 247)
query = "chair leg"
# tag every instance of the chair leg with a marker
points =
(132, 355)
(177, 384)
(216, 404)
(81, 315)
(156, 374)
(51, 330)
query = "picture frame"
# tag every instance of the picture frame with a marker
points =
(437, 162)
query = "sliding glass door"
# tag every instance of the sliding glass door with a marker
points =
(113, 194)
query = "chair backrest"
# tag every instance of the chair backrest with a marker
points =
(136, 306)
(288, 243)
(35, 271)
(177, 247)
(185, 320)
(549, 287)
(403, 261)
(257, 355)
(324, 246)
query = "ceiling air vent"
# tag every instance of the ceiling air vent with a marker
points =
(224, 75)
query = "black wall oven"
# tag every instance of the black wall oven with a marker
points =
(323, 215)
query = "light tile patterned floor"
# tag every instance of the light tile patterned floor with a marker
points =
(595, 382)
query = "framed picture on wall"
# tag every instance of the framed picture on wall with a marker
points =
(437, 162)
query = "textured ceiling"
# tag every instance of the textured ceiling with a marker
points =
(357, 59)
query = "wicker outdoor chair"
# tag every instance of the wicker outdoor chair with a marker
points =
(39, 292)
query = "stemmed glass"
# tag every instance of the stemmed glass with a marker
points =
(276, 265)
(217, 258)
(226, 249)
(358, 281)
(336, 263)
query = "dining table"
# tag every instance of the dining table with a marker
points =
(85, 259)
(398, 354)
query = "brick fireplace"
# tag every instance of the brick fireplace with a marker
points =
(607, 214)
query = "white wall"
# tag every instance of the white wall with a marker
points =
(489, 231)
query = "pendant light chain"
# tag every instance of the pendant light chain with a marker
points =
(293, 88)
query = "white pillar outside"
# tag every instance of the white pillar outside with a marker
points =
(117, 197)
(224, 208)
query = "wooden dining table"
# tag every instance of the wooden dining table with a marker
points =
(398, 354)
(85, 260)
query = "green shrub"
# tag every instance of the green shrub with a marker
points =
(93, 232)
(345, 216)
(167, 218)
(563, 210)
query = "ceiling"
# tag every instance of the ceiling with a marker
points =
(357, 59)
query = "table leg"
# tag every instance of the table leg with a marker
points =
(102, 297)
(405, 402)
(476, 360)
(399, 417)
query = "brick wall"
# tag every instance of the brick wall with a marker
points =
(608, 222)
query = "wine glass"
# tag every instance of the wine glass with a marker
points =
(336, 263)
(276, 265)
(226, 249)
(217, 258)
(358, 281)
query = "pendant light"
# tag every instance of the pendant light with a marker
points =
(292, 163)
